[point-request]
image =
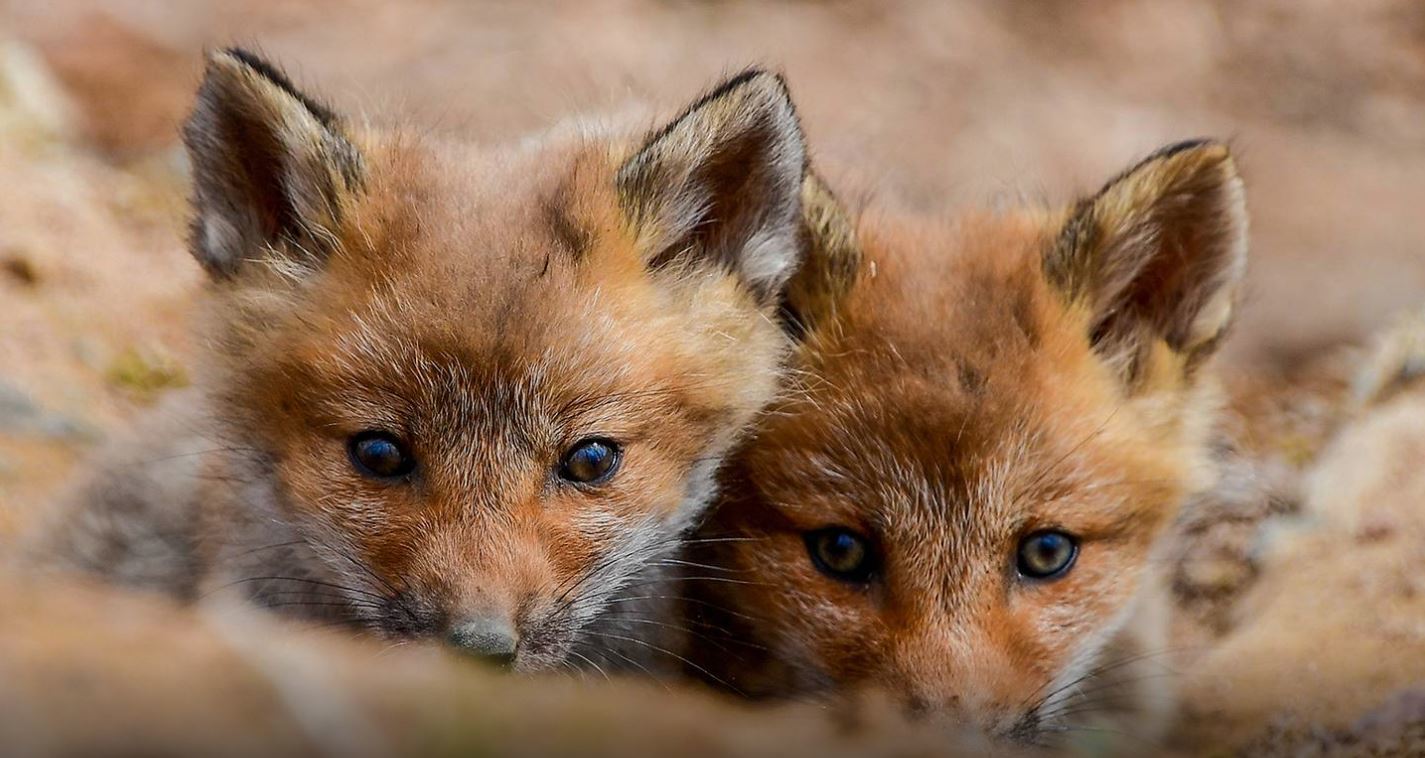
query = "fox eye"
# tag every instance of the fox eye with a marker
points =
(380, 455)
(590, 461)
(841, 554)
(1046, 554)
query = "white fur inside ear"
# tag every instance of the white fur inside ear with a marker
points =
(1158, 254)
(1216, 312)
(1212, 318)
(721, 185)
(263, 155)
(222, 240)
(769, 258)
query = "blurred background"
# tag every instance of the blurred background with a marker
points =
(927, 106)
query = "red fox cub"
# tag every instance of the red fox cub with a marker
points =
(995, 425)
(451, 391)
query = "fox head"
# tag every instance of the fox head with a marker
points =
(485, 386)
(995, 421)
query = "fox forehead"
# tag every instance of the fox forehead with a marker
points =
(481, 229)
(526, 252)
(997, 419)
(500, 295)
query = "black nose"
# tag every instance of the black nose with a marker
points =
(491, 640)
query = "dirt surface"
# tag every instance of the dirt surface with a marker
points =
(1326, 647)
(930, 105)
(272, 689)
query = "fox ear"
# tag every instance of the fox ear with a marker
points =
(721, 184)
(831, 260)
(272, 168)
(1157, 258)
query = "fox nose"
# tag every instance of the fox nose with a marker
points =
(490, 639)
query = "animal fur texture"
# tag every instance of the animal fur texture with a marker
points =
(486, 311)
(962, 386)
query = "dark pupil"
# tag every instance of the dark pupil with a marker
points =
(589, 462)
(381, 456)
(1045, 554)
(842, 552)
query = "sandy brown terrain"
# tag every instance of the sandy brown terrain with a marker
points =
(273, 690)
(1301, 603)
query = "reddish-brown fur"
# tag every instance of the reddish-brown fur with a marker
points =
(572, 342)
(487, 308)
(965, 393)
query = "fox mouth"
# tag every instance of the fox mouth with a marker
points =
(536, 644)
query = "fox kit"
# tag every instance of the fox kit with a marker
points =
(449, 391)
(996, 422)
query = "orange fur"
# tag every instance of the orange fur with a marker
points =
(980, 381)
(489, 309)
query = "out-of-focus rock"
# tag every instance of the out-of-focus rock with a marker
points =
(146, 372)
(20, 414)
(18, 267)
(1215, 553)
(1395, 728)
(1397, 363)
(1274, 427)
(34, 110)
(1332, 625)
(96, 671)
(130, 90)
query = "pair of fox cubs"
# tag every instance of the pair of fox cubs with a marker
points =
(610, 396)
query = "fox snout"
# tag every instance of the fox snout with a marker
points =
(491, 638)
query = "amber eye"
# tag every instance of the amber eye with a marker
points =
(841, 554)
(1046, 554)
(380, 455)
(590, 462)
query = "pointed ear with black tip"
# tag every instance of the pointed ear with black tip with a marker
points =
(1157, 258)
(721, 185)
(272, 168)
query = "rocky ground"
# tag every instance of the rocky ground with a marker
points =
(1306, 629)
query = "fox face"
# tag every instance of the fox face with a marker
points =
(481, 388)
(994, 425)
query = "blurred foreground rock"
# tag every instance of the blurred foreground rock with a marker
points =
(1328, 643)
(33, 107)
(85, 671)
